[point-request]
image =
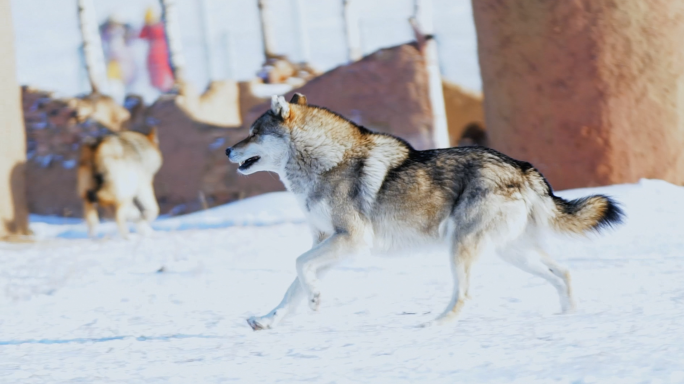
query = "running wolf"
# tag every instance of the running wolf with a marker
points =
(116, 171)
(366, 191)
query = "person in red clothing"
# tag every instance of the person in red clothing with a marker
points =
(158, 65)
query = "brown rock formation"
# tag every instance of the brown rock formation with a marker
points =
(589, 91)
(53, 137)
(386, 91)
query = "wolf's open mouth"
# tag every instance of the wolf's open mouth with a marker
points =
(248, 163)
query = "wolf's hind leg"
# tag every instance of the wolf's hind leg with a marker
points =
(464, 252)
(91, 217)
(292, 297)
(533, 259)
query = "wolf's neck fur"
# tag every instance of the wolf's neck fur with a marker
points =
(321, 140)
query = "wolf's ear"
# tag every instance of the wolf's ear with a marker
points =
(152, 136)
(280, 107)
(298, 98)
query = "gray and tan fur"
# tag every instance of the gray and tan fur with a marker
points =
(117, 171)
(364, 191)
(102, 109)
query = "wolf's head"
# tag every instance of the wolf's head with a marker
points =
(267, 148)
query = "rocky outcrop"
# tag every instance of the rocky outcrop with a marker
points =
(386, 91)
(589, 91)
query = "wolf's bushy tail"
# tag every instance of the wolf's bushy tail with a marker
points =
(585, 214)
(591, 213)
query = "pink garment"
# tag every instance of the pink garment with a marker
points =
(158, 57)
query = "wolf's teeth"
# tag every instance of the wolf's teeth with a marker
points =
(242, 162)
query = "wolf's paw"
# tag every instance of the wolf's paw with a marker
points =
(258, 324)
(568, 307)
(567, 311)
(440, 321)
(315, 301)
(431, 324)
(145, 229)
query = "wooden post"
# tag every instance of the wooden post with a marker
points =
(352, 32)
(302, 31)
(266, 30)
(92, 47)
(423, 28)
(13, 207)
(174, 39)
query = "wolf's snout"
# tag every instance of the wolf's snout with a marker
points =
(228, 151)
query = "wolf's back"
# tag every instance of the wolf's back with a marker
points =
(590, 213)
(110, 160)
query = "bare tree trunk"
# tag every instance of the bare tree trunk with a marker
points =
(302, 31)
(207, 30)
(423, 27)
(13, 206)
(352, 32)
(266, 30)
(92, 47)
(174, 39)
(228, 46)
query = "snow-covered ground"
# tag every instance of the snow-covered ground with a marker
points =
(171, 308)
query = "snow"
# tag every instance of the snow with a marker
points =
(76, 310)
(267, 209)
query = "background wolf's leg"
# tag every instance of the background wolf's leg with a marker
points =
(91, 217)
(330, 251)
(465, 250)
(532, 259)
(123, 211)
(292, 297)
(148, 202)
(150, 208)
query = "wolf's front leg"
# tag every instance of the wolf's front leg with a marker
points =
(331, 250)
(292, 297)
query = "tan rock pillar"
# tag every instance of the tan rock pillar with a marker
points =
(13, 209)
(590, 91)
